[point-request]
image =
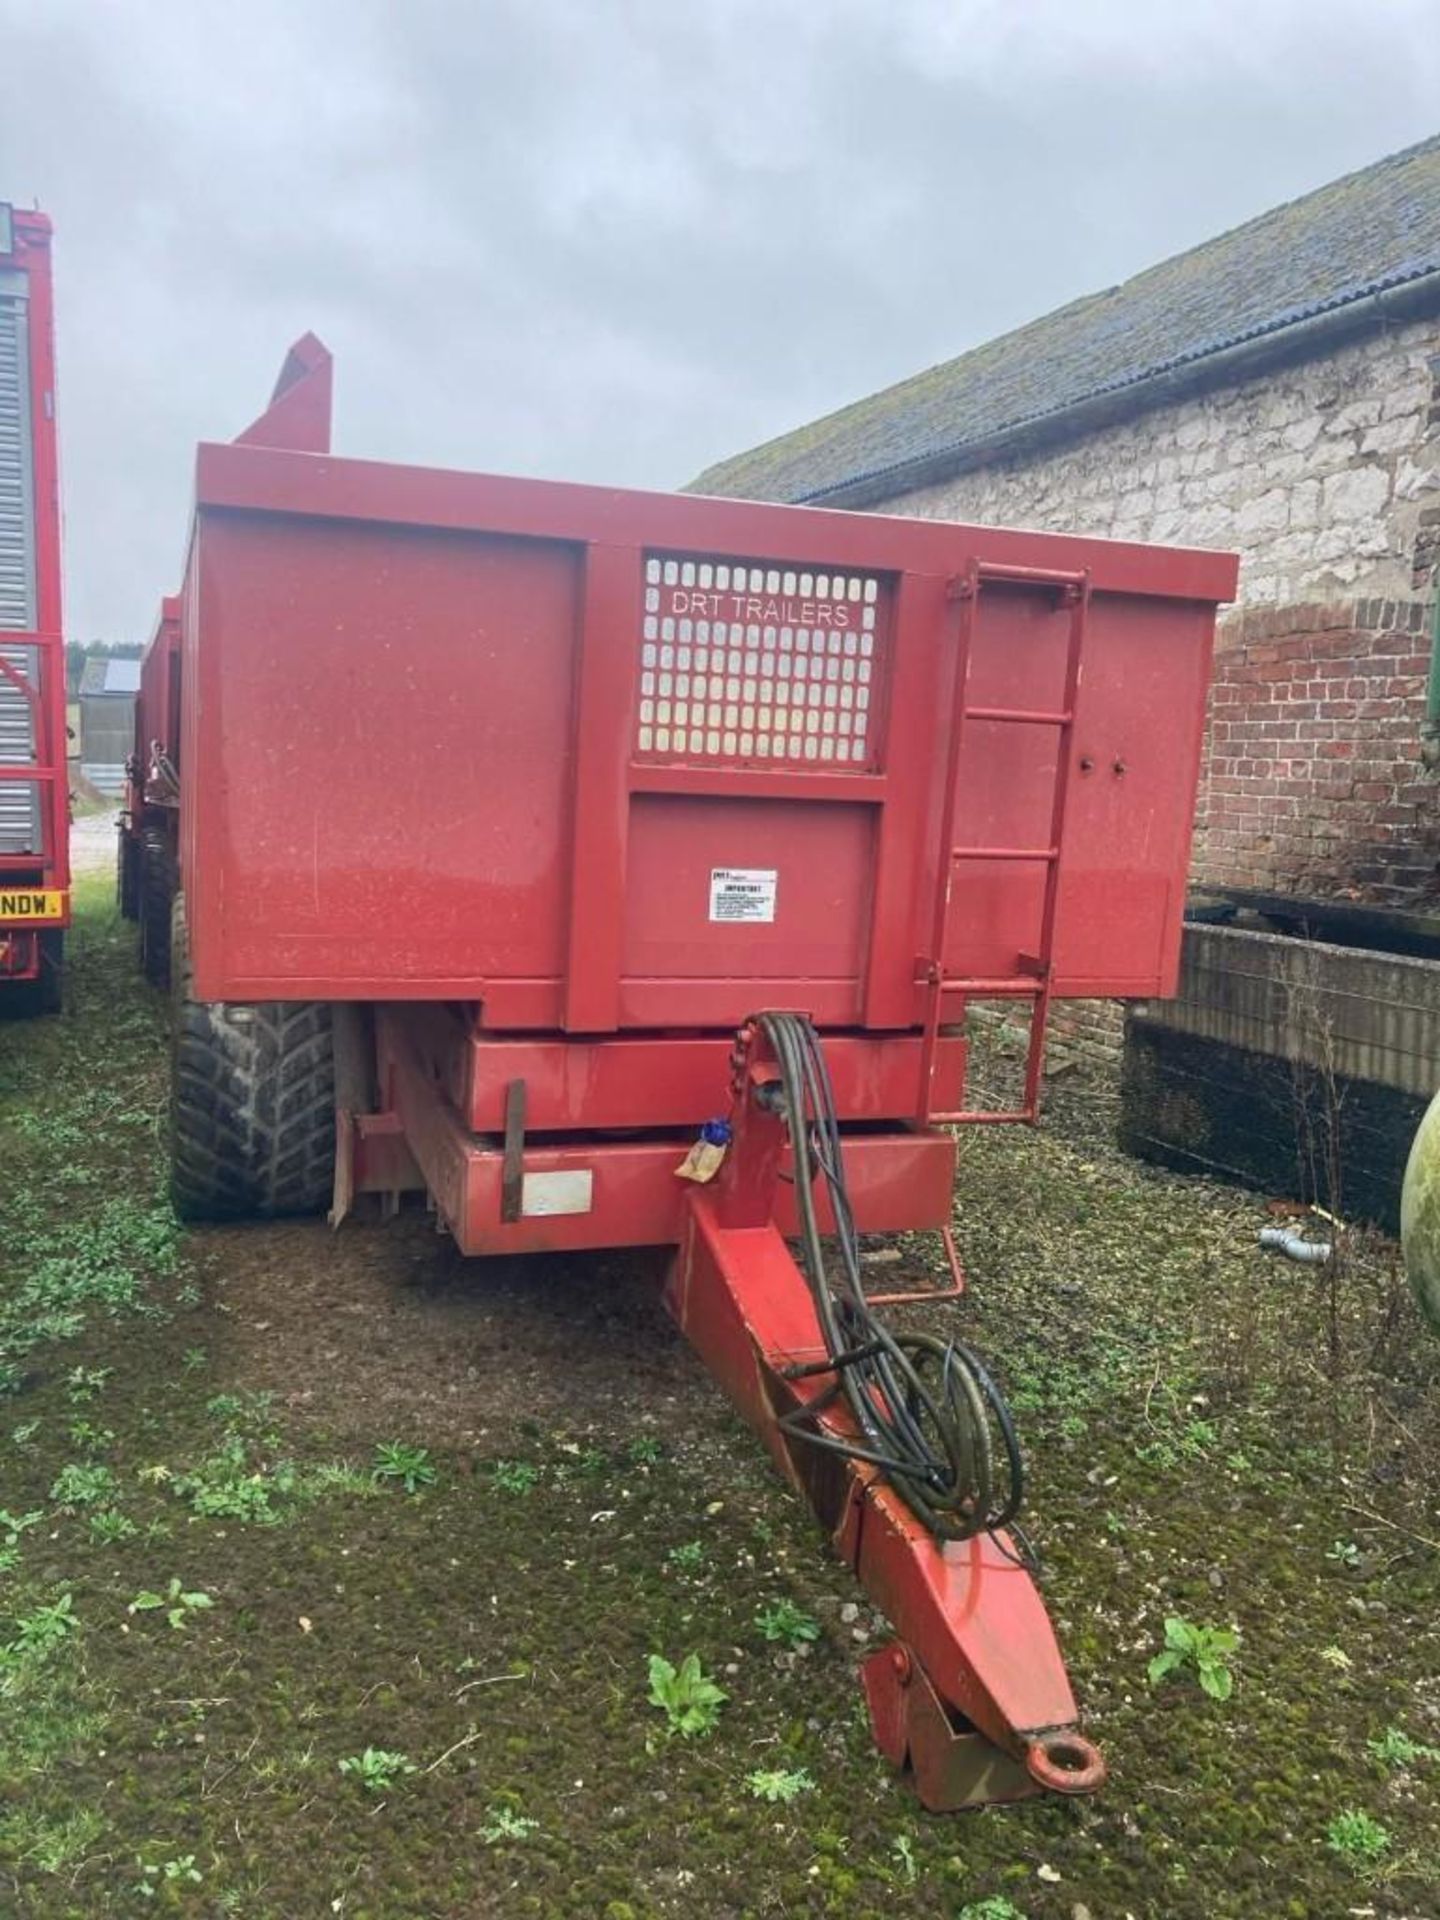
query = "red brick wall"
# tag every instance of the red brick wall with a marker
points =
(1313, 781)
(1086, 1033)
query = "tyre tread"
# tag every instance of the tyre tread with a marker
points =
(252, 1104)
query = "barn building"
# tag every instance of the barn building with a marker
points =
(108, 689)
(1275, 391)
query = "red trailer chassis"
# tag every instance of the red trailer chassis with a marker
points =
(539, 795)
(34, 798)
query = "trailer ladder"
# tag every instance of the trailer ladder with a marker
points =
(1035, 988)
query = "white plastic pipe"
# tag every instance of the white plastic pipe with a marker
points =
(1313, 1252)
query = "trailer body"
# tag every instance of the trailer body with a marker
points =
(147, 855)
(494, 779)
(580, 778)
(34, 797)
(535, 827)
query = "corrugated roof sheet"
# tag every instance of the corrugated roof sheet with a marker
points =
(1372, 231)
(123, 676)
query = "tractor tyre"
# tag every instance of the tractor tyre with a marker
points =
(156, 892)
(252, 1103)
(127, 874)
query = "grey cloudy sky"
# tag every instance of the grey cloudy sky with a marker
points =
(617, 239)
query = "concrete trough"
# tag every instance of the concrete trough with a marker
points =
(1293, 1065)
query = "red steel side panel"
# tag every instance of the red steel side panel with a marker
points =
(630, 1082)
(157, 711)
(625, 1193)
(30, 259)
(381, 722)
(604, 761)
(1128, 824)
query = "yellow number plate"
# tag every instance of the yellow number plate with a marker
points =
(32, 906)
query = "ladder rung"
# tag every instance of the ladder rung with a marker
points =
(1020, 716)
(1002, 987)
(1004, 853)
(1000, 574)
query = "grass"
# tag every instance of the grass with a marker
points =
(1195, 1454)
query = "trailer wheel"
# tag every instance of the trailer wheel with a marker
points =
(252, 1103)
(127, 877)
(156, 891)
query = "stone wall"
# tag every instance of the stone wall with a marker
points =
(1318, 475)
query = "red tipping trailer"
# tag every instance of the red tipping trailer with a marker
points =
(34, 796)
(527, 828)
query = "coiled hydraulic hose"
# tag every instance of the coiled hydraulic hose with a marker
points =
(927, 1411)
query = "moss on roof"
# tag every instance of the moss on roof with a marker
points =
(1373, 230)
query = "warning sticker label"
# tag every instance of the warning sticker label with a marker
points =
(743, 893)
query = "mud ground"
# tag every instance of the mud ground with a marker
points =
(1211, 1435)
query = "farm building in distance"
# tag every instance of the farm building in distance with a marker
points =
(107, 721)
(1275, 391)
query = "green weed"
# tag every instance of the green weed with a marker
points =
(90, 1438)
(503, 1824)
(1358, 1839)
(39, 1632)
(409, 1465)
(376, 1769)
(177, 1604)
(247, 1412)
(12, 1525)
(182, 1871)
(1395, 1748)
(686, 1695)
(83, 1484)
(338, 1476)
(231, 1484)
(1206, 1649)
(82, 1384)
(782, 1620)
(778, 1784)
(109, 1525)
(515, 1476)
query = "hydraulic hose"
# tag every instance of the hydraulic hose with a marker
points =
(928, 1414)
